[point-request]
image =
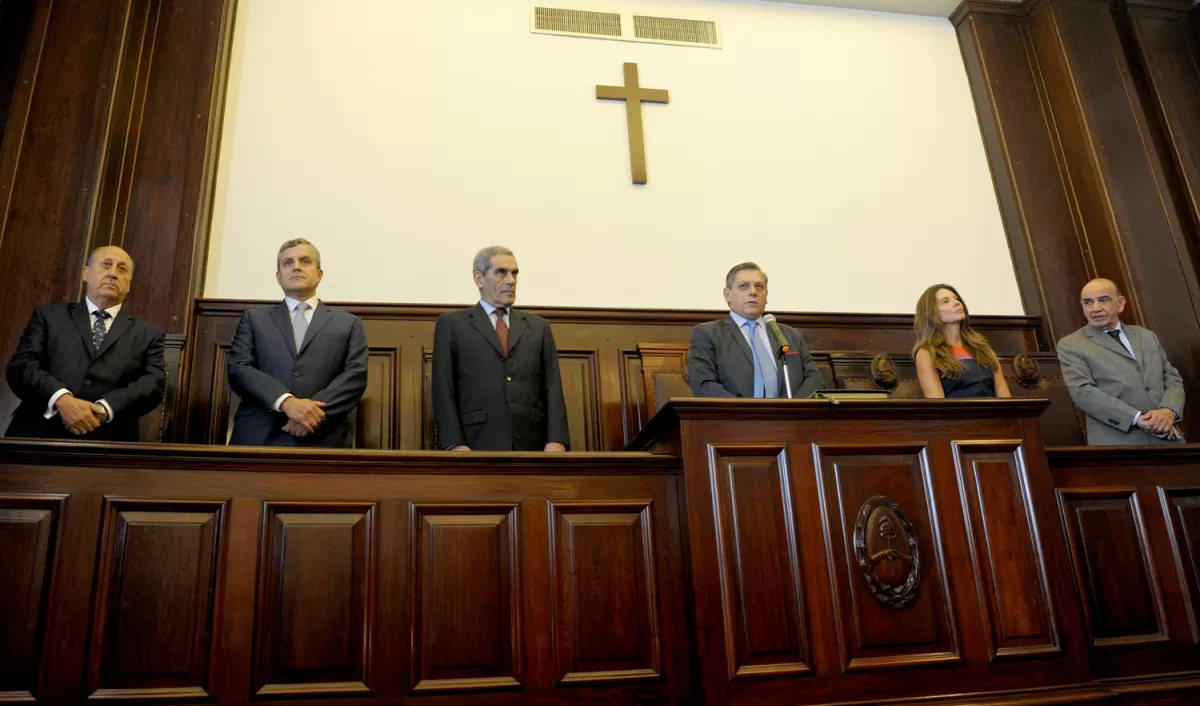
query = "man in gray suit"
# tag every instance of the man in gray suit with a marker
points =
(738, 357)
(299, 366)
(1118, 375)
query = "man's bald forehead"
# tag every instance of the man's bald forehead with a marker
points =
(1102, 283)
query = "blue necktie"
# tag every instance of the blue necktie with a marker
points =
(766, 377)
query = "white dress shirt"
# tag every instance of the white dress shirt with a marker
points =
(308, 314)
(108, 322)
(492, 316)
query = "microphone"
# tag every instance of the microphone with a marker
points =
(773, 327)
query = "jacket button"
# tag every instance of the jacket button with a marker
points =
(87, 382)
(295, 375)
(509, 379)
(1147, 389)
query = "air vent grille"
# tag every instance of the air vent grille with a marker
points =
(670, 29)
(582, 22)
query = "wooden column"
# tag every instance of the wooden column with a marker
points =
(1094, 154)
(111, 138)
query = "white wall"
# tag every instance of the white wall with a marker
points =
(839, 149)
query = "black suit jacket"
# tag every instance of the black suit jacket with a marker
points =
(56, 352)
(331, 367)
(720, 362)
(493, 402)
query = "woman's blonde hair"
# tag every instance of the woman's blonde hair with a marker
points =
(930, 336)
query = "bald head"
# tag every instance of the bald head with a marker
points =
(108, 274)
(1102, 303)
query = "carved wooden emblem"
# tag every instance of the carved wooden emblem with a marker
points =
(1029, 374)
(883, 372)
(886, 549)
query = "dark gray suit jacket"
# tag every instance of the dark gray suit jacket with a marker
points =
(720, 362)
(1111, 387)
(56, 351)
(331, 367)
(493, 402)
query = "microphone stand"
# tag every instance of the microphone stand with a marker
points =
(787, 380)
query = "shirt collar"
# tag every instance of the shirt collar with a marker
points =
(487, 307)
(1118, 327)
(92, 309)
(293, 303)
(741, 320)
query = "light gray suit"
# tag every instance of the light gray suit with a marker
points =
(1111, 387)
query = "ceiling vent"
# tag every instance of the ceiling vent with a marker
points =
(628, 28)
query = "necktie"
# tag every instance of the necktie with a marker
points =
(766, 377)
(299, 324)
(1116, 336)
(98, 328)
(502, 329)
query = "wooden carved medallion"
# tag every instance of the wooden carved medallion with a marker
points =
(887, 553)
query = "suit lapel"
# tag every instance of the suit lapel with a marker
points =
(79, 312)
(483, 324)
(1135, 340)
(321, 316)
(1105, 341)
(517, 325)
(279, 315)
(119, 326)
(740, 339)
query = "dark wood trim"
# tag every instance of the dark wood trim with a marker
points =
(1096, 456)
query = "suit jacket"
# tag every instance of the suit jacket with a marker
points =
(1111, 387)
(720, 363)
(56, 352)
(331, 367)
(491, 401)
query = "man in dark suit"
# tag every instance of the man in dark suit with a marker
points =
(88, 370)
(496, 382)
(1119, 376)
(299, 367)
(737, 357)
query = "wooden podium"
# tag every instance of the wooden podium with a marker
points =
(868, 551)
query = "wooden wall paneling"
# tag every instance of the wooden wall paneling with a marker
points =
(1110, 553)
(604, 575)
(762, 594)
(16, 18)
(316, 599)
(871, 635)
(580, 381)
(1165, 51)
(168, 175)
(376, 423)
(1011, 576)
(29, 533)
(1181, 508)
(1133, 231)
(1021, 140)
(154, 599)
(465, 611)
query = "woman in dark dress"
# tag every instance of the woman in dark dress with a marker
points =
(953, 359)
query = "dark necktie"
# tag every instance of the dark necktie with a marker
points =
(1116, 336)
(98, 328)
(502, 329)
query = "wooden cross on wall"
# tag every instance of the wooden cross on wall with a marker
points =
(634, 95)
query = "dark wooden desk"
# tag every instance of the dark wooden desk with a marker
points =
(720, 572)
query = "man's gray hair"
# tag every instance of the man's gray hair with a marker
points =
(293, 243)
(483, 258)
(733, 273)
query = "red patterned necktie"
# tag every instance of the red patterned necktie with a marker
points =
(502, 329)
